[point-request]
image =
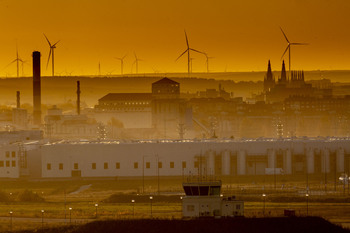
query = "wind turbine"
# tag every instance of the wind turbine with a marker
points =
(121, 59)
(288, 48)
(191, 63)
(188, 54)
(52, 49)
(17, 60)
(207, 61)
(136, 62)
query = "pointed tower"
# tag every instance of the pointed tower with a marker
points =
(283, 79)
(269, 81)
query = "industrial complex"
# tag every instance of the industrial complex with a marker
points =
(163, 134)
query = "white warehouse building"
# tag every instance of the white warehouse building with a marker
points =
(66, 159)
(186, 157)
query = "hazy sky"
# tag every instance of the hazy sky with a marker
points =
(242, 35)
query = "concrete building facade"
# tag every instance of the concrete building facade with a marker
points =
(187, 158)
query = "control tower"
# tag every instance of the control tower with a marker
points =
(204, 199)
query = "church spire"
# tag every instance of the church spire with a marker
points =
(269, 75)
(269, 81)
(283, 74)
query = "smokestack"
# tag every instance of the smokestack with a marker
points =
(36, 88)
(78, 97)
(18, 99)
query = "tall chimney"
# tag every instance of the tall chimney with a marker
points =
(78, 97)
(18, 99)
(36, 88)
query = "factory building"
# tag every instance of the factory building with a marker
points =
(158, 114)
(65, 159)
(185, 158)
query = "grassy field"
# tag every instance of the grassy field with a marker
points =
(114, 196)
(242, 225)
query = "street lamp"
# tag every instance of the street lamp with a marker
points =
(307, 204)
(11, 220)
(96, 205)
(42, 218)
(151, 198)
(264, 198)
(70, 215)
(133, 207)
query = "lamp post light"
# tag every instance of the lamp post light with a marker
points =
(307, 204)
(264, 198)
(96, 206)
(70, 215)
(11, 220)
(133, 207)
(151, 198)
(42, 218)
(143, 174)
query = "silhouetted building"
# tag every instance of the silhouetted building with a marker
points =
(125, 110)
(214, 93)
(283, 78)
(284, 87)
(19, 115)
(165, 89)
(269, 81)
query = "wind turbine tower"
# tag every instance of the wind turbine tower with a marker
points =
(121, 59)
(207, 61)
(188, 54)
(17, 60)
(136, 62)
(289, 47)
(52, 50)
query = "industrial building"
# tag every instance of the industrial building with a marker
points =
(67, 159)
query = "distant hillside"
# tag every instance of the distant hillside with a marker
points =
(63, 89)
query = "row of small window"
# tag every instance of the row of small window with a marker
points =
(127, 103)
(8, 163)
(160, 165)
(13, 154)
(117, 165)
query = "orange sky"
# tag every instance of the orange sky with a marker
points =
(242, 35)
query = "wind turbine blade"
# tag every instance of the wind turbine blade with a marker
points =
(47, 40)
(181, 54)
(48, 60)
(188, 46)
(285, 51)
(118, 58)
(123, 57)
(197, 51)
(299, 44)
(10, 63)
(284, 35)
(56, 43)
